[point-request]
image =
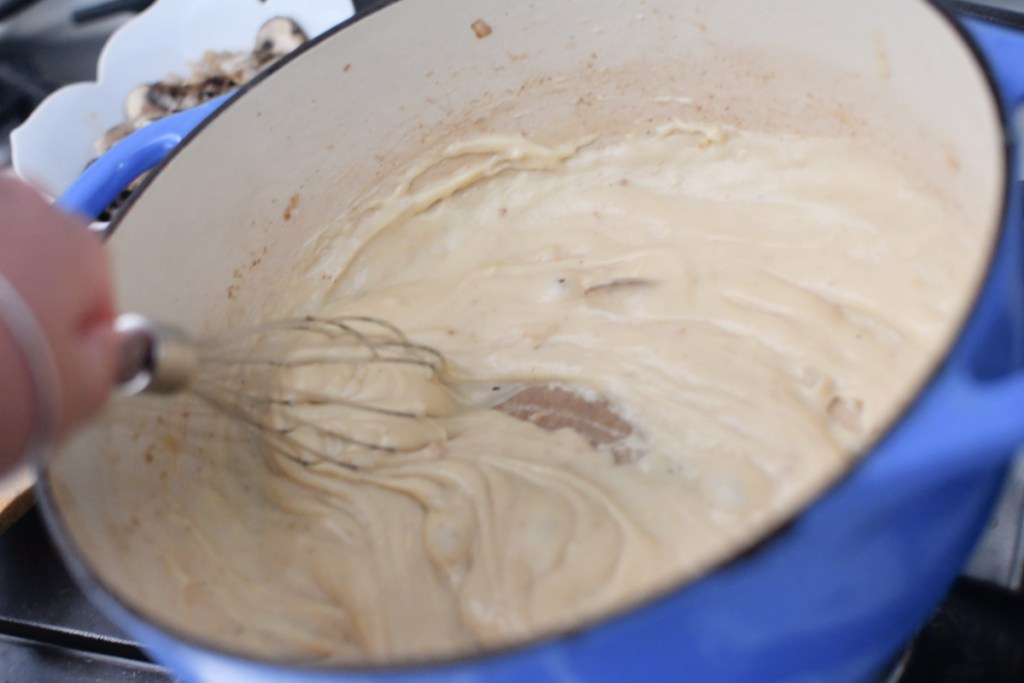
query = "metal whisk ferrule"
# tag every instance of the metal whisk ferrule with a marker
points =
(155, 357)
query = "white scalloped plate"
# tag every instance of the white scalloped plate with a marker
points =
(52, 147)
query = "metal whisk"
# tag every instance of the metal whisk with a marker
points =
(347, 390)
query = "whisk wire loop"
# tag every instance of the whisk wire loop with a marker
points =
(306, 385)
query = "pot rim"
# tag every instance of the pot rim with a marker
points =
(108, 599)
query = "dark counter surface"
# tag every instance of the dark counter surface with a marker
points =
(48, 630)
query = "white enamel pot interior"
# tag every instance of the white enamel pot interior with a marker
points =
(214, 238)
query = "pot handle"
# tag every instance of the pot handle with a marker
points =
(108, 176)
(1003, 49)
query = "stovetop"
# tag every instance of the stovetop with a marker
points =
(50, 632)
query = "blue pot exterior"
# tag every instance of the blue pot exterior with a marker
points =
(834, 595)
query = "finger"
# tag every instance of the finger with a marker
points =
(94, 304)
(92, 378)
(61, 270)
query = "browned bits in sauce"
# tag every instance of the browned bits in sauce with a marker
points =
(847, 412)
(619, 283)
(293, 204)
(952, 162)
(255, 261)
(481, 28)
(551, 408)
(171, 443)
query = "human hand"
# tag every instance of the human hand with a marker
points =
(60, 270)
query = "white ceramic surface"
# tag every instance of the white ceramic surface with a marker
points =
(53, 146)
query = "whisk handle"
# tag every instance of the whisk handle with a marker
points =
(155, 358)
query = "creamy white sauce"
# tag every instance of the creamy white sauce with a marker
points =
(756, 307)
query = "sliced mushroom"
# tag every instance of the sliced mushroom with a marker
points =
(217, 73)
(154, 101)
(239, 67)
(214, 86)
(114, 136)
(278, 37)
(141, 104)
(847, 412)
